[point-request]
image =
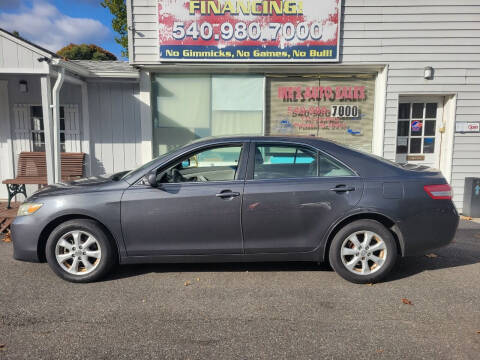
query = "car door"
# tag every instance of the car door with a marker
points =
(195, 210)
(292, 195)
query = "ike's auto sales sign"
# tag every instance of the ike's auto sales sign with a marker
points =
(249, 30)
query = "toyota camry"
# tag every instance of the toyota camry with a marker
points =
(241, 199)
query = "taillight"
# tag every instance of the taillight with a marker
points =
(439, 192)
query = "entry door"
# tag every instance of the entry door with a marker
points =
(420, 130)
(195, 210)
(292, 198)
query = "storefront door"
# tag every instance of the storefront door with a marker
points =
(420, 131)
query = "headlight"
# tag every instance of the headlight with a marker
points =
(28, 209)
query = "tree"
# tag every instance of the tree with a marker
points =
(17, 35)
(119, 23)
(85, 52)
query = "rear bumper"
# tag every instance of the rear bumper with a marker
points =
(429, 229)
(25, 235)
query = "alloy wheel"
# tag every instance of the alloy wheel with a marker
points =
(363, 253)
(78, 252)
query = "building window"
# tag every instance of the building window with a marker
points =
(334, 107)
(38, 131)
(189, 107)
(417, 124)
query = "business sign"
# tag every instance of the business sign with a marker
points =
(468, 127)
(335, 108)
(249, 30)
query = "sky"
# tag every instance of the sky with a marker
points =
(53, 24)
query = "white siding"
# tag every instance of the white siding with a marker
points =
(114, 126)
(408, 36)
(72, 128)
(21, 129)
(15, 58)
(405, 35)
(144, 15)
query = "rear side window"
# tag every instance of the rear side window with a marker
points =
(291, 161)
(329, 167)
(284, 161)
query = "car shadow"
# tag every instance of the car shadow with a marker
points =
(464, 250)
(126, 271)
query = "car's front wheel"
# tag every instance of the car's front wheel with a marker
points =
(80, 251)
(362, 252)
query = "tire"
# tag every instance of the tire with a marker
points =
(363, 262)
(79, 251)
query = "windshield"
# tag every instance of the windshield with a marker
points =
(146, 166)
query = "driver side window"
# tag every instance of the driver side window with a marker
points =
(213, 164)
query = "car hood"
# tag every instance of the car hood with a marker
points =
(94, 183)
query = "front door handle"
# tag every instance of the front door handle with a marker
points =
(227, 194)
(342, 189)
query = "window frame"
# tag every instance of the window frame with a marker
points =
(422, 136)
(251, 162)
(42, 132)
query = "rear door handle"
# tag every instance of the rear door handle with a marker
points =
(227, 194)
(342, 189)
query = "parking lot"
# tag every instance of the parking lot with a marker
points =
(428, 308)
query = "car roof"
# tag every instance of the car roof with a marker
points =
(292, 138)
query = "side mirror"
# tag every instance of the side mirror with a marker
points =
(152, 180)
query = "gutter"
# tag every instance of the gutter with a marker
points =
(56, 123)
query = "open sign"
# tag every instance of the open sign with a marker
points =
(474, 127)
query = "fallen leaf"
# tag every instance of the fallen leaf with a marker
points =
(198, 279)
(2, 346)
(466, 218)
(370, 284)
(407, 302)
(431, 256)
(7, 238)
(478, 332)
(187, 283)
(380, 351)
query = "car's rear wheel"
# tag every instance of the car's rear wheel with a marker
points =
(364, 251)
(80, 251)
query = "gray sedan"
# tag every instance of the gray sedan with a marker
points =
(241, 199)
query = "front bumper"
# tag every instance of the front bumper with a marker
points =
(26, 231)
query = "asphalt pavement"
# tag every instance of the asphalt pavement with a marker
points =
(429, 308)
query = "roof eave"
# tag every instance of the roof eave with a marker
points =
(115, 75)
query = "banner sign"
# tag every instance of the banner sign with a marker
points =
(335, 108)
(249, 30)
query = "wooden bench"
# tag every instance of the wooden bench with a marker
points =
(32, 169)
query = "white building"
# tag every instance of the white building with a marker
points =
(98, 109)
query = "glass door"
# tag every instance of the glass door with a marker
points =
(419, 131)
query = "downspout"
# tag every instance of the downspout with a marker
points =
(56, 123)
